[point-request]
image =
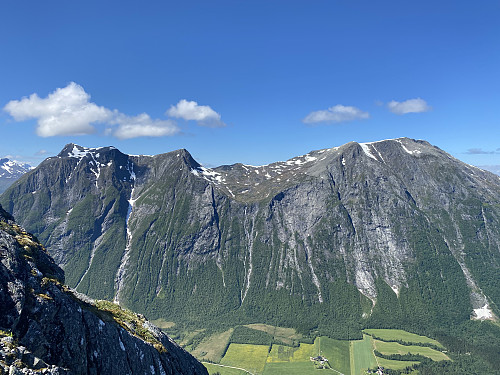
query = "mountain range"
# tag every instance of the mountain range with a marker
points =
(10, 171)
(385, 234)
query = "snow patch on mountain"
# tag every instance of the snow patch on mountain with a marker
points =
(367, 151)
(13, 169)
(80, 152)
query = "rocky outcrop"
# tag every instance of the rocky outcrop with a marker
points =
(45, 327)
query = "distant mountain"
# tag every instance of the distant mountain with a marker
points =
(10, 171)
(45, 327)
(395, 233)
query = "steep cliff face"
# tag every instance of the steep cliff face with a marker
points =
(320, 236)
(46, 327)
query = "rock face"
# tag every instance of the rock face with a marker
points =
(395, 231)
(45, 327)
(10, 171)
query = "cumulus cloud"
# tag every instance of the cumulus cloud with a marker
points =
(143, 126)
(408, 106)
(335, 114)
(69, 111)
(190, 110)
(66, 111)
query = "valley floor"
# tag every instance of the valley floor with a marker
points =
(286, 356)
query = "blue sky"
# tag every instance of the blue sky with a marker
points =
(248, 81)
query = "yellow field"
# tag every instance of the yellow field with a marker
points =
(349, 358)
(281, 353)
(249, 357)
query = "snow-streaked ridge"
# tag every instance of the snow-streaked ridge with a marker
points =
(367, 151)
(80, 152)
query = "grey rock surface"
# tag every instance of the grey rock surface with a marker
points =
(160, 233)
(48, 328)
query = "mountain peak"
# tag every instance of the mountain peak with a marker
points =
(10, 171)
(73, 150)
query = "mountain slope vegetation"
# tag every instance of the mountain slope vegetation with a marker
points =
(390, 234)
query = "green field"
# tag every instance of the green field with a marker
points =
(288, 360)
(362, 357)
(395, 365)
(388, 348)
(249, 357)
(213, 368)
(213, 347)
(337, 353)
(187, 336)
(349, 358)
(286, 335)
(398, 334)
(291, 368)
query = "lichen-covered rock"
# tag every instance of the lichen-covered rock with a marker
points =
(45, 327)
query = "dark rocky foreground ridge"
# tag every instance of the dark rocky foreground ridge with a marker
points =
(47, 328)
(395, 233)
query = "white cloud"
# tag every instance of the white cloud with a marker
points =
(335, 114)
(190, 110)
(66, 111)
(69, 111)
(409, 106)
(143, 126)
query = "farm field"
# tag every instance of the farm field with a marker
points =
(286, 335)
(188, 336)
(213, 347)
(337, 353)
(361, 356)
(395, 365)
(281, 353)
(398, 334)
(344, 357)
(389, 348)
(291, 368)
(250, 357)
(213, 368)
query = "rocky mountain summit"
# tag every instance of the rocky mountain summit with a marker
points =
(394, 233)
(10, 171)
(48, 328)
